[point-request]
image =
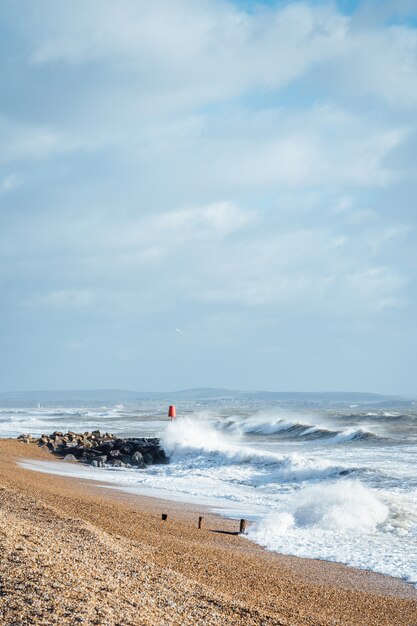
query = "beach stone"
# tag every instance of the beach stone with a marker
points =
(106, 446)
(96, 463)
(99, 449)
(102, 458)
(160, 457)
(137, 458)
(75, 450)
(69, 457)
(118, 463)
(70, 444)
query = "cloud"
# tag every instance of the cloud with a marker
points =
(61, 299)
(322, 146)
(191, 161)
(378, 285)
(10, 182)
(307, 268)
(223, 255)
(25, 141)
(216, 50)
(219, 51)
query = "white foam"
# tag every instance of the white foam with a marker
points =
(199, 444)
(284, 469)
(346, 522)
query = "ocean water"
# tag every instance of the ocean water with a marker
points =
(336, 483)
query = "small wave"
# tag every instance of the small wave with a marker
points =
(352, 434)
(296, 429)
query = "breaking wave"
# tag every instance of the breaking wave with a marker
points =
(200, 445)
(261, 425)
(346, 522)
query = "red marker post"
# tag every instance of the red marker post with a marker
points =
(172, 413)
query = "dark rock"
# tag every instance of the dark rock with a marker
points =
(76, 450)
(117, 463)
(98, 449)
(70, 444)
(136, 458)
(95, 463)
(101, 458)
(106, 446)
(160, 457)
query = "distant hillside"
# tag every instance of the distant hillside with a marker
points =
(102, 397)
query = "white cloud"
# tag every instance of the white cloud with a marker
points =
(322, 147)
(21, 141)
(381, 63)
(378, 286)
(217, 51)
(153, 237)
(185, 159)
(62, 299)
(10, 182)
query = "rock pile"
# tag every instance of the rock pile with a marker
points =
(101, 450)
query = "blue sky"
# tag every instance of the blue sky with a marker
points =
(199, 193)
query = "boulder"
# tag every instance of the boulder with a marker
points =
(98, 449)
(102, 458)
(136, 458)
(69, 457)
(160, 456)
(95, 463)
(117, 463)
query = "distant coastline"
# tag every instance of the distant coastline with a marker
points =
(97, 397)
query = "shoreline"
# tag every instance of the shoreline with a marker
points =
(227, 578)
(189, 512)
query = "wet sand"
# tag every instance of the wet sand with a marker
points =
(72, 552)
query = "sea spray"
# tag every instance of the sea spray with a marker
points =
(326, 477)
(201, 445)
(343, 521)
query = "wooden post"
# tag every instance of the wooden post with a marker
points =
(164, 517)
(200, 522)
(242, 526)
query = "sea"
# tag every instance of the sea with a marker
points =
(324, 479)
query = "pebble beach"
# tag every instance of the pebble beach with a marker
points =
(74, 552)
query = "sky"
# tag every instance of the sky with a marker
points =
(208, 193)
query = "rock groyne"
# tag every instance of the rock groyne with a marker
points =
(102, 449)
